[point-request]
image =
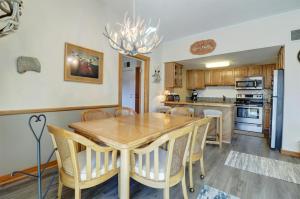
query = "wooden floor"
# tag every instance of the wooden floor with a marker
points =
(240, 183)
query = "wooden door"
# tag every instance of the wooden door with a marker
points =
(267, 118)
(228, 77)
(268, 75)
(216, 77)
(195, 79)
(178, 76)
(281, 59)
(240, 72)
(169, 75)
(255, 70)
(208, 78)
(137, 89)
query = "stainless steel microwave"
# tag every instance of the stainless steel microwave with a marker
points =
(249, 83)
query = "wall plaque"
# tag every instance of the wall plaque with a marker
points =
(203, 47)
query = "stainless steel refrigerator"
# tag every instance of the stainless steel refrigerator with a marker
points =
(277, 110)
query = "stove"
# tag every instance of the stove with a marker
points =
(249, 112)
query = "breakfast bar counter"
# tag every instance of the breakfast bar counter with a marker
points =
(227, 109)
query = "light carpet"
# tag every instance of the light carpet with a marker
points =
(208, 192)
(264, 166)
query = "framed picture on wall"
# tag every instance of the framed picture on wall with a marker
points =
(83, 65)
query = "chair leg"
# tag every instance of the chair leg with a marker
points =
(166, 193)
(77, 193)
(191, 175)
(202, 168)
(183, 184)
(59, 191)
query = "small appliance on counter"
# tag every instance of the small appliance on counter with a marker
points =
(173, 97)
(194, 96)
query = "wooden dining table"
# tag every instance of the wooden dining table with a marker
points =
(128, 132)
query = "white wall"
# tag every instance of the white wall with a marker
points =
(45, 26)
(265, 32)
(218, 91)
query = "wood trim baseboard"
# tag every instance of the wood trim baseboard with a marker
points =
(58, 109)
(291, 153)
(8, 179)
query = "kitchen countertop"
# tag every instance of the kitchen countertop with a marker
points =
(203, 103)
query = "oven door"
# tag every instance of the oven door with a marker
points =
(249, 114)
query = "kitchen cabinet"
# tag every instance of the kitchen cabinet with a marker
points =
(207, 77)
(255, 70)
(228, 77)
(280, 61)
(213, 77)
(240, 72)
(195, 79)
(268, 75)
(173, 75)
(267, 117)
(217, 77)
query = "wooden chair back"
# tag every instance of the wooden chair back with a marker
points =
(66, 143)
(179, 142)
(183, 111)
(199, 135)
(94, 114)
(125, 111)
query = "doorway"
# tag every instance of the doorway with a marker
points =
(134, 82)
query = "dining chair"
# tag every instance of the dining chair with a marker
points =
(125, 111)
(85, 169)
(158, 168)
(95, 114)
(196, 152)
(183, 111)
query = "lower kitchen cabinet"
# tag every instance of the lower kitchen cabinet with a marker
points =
(267, 117)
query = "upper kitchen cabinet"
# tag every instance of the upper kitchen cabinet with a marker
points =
(255, 70)
(240, 72)
(213, 77)
(280, 62)
(195, 79)
(173, 75)
(268, 75)
(228, 77)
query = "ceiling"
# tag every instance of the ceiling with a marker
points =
(257, 56)
(181, 18)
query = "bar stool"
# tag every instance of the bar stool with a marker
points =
(219, 126)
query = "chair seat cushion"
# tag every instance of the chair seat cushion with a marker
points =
(68, 168)
(162, 161)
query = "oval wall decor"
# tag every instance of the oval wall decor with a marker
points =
(203, 47)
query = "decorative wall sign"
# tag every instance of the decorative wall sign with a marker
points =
(203, 47)
(25, 64)
(83, 65)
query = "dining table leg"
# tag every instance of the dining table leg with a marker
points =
(125, 174)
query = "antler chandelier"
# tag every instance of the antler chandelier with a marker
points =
(10, 12)
(135, 36)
